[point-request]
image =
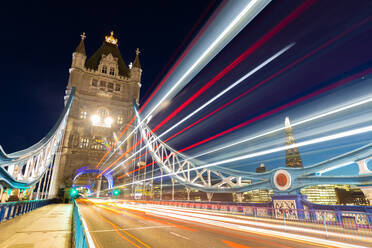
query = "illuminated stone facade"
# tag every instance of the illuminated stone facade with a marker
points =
(105, 91)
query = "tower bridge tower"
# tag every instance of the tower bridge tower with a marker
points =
(105, 90)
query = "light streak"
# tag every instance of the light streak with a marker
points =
(283, 148)
(163, 81)
(240, 80)
(220, 7)
(239, 224)
(325, 114)
(297, 12)
(319, 116)
(250, 73)
(270, 151)
(327, 88)
(245, 11)
(274, 75)
(285, 106)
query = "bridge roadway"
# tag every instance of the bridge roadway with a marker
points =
(111, 225)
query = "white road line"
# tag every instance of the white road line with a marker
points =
(178, 235)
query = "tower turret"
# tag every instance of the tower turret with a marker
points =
(136, 70)
(79, 56)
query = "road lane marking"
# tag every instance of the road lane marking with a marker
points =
(118, 232)
(234, 245)
(178, 235)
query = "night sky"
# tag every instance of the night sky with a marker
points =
(38, 38)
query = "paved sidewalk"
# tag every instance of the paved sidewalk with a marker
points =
(48, 227)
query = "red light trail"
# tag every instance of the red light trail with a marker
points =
(284, 23)
(268, 79)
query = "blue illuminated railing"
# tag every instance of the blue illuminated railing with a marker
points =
(10, 210)
(82, 238)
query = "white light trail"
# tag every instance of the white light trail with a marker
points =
(238, 224)
(325, 114)
(269, 151)
(240, 80)
(283, 148)
(319, 116)
(247, 10)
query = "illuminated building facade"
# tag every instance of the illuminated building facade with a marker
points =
(105, 90)
(335, 195)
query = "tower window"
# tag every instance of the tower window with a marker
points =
(94, 82)
(104, 69)
(102, 112)
(84, 143)
(102, 85)
(112, 71)
(110, 87)
(120, 120)
(117, 87)
(83, 115)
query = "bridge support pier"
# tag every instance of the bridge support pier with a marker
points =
(188, 193)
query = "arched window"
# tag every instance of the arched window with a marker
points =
(112, 71)
(104, 69)
(102, 112)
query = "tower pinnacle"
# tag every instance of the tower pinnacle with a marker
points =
(136, 62)
(81, 47)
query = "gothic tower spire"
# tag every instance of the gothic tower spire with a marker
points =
(79, 56)
(136, 62)
(292, 156)
(81, 47)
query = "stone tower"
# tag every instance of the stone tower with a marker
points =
(102, 107)
(292, 156)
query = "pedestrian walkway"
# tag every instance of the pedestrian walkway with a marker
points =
(48, 226)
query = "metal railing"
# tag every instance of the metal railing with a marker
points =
(10, 210)
(82, 238)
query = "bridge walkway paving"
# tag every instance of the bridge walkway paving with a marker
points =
(49, 226)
